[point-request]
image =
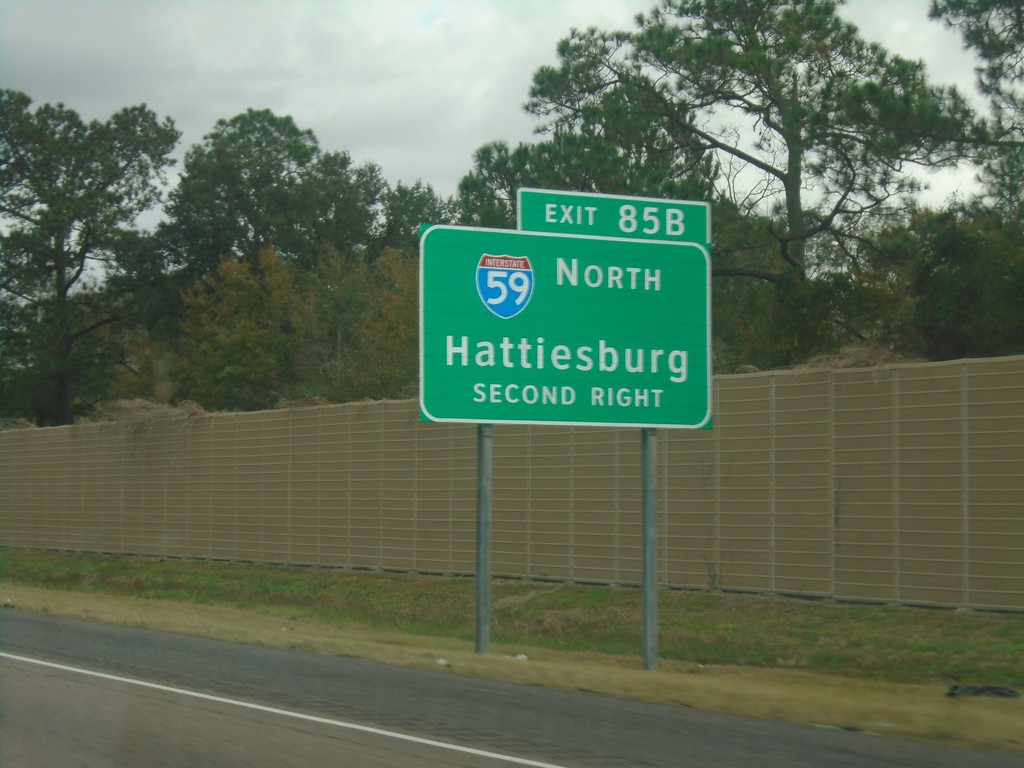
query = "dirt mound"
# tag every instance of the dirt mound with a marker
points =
(16, 424)
(136, 419)
(140, 412)
(857, 356)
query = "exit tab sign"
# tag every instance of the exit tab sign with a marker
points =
(582, 213)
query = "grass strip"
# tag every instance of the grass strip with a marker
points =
(893, 643)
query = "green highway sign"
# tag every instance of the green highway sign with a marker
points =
(543, 328)
(642, 218)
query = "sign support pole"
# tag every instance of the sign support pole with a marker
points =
(649, 471)
(484, 484)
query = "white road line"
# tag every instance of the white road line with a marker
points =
(285, 713)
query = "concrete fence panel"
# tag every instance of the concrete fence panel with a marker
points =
(898, 483)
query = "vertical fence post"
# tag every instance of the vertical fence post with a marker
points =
(896, 469)
(715, 576)
(772, 483)
(831, 485)
(965, 485)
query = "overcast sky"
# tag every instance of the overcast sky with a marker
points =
(413, 85)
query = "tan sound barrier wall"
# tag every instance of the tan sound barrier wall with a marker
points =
(899, 483)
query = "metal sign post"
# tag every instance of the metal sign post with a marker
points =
(484, 485)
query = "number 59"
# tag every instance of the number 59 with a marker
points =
(501, 280)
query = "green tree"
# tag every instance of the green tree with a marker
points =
(487, 194)
(257, 181)
(994, 30)
(244, 337)
(340, 289)
(70, 192)
(968, 281)
(363, 334)
(823, 122)
(404, 208)
(254, 336)
(610, 149)
(388, 341)
(812, 129)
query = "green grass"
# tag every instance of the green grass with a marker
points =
(898, 644)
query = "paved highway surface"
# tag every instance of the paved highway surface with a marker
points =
(76, 693)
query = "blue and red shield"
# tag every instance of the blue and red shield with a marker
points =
(505, 284)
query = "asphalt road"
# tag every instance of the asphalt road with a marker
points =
(210, 703)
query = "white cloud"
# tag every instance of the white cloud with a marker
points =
(415, 86)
